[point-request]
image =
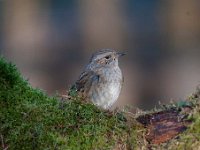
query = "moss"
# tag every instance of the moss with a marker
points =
(29, 119)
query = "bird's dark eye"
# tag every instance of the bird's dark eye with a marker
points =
(107, 57)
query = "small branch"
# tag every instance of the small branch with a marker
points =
(3, 144)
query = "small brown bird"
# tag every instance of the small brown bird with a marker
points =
(102, 79)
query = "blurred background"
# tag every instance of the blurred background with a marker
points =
(51, 42)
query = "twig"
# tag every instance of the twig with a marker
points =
(2, 143)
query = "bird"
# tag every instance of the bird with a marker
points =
(101, 80)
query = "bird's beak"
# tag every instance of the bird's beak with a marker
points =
(119, 54)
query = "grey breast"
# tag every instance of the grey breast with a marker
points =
(105, 91)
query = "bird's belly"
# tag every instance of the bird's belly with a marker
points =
(106, 95)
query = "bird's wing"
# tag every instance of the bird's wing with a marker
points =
(85, 82)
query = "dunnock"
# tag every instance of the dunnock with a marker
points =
(102, 79)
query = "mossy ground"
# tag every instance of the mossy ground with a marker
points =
(29, 119)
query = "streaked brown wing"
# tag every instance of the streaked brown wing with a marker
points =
(84, 83)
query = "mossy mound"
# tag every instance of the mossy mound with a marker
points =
(29, 119)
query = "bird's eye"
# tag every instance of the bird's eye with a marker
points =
(107, 57)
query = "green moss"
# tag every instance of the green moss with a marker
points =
(29, 119)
